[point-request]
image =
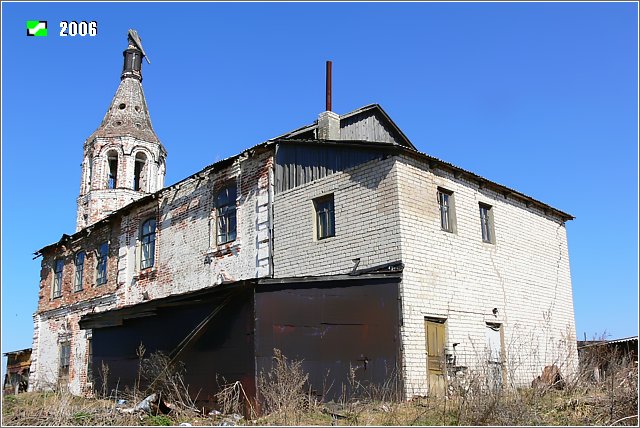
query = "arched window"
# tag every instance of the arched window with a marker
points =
(79, 263)
(140, 172)
(147, 243)
(112, 161)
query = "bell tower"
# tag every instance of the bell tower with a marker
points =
(123, 159)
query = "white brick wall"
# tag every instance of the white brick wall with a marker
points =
(366, 221)
(387, 211)
(525, 275)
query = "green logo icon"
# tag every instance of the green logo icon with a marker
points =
(37, 28)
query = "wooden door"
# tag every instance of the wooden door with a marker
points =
(434, 331)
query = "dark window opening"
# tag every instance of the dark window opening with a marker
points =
(486, 223)
(113, 171)
(445, 203)
(89, 361)
(325, 217)
(226, 215)
(79, 263)
(101, 268)
(57, 278)
(148, 244)
(139, 174)
(65, 353)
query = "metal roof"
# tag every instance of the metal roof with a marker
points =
(409, 149)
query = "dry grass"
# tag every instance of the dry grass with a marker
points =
(610, 400)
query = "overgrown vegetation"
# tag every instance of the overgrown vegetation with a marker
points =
(604, 392)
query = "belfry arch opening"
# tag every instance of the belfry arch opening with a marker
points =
(112, 163)
(140, 172)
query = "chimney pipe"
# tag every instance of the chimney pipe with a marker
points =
(328, 104)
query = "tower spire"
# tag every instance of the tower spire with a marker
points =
(133, 55)
(123, 158)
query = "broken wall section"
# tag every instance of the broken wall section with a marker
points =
(187, 254)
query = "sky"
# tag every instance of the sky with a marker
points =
(539, 97)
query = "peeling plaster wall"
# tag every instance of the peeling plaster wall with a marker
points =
(458, 277)
(187, 258)
(187, 255)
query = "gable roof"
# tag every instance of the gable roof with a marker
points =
(347, 119)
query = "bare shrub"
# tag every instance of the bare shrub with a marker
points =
(282, 389)
(232, 398)
(162, 376)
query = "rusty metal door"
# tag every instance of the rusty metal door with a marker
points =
(435, 340)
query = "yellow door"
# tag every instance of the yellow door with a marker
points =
(434, 330)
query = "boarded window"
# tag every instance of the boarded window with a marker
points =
(226, 215)
(325, 217)
(57, 277)
(147, 244)
(101, 267)
(486, 223)
(65, 353)
(447, 213)
(79, 265)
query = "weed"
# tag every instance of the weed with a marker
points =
(158, 420)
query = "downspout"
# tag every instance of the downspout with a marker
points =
(270, 210)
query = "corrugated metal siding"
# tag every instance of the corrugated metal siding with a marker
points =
(367, 127)
(300, 164)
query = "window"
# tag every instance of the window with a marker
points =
(57, 277)
(148, 243)
(112, 179)
(139, 173)
(447, 210)
(89, 361)
(101, 267)
(226, 215)
(65, 352)
(325, 217)
(79, 263)
(486, 223)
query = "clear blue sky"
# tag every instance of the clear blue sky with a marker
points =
(540, 97)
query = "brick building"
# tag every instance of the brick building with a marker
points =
(338, 243)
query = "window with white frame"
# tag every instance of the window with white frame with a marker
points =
(226, 215)
(147, 243)
(79, 265)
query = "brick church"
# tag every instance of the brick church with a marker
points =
(338, 243)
